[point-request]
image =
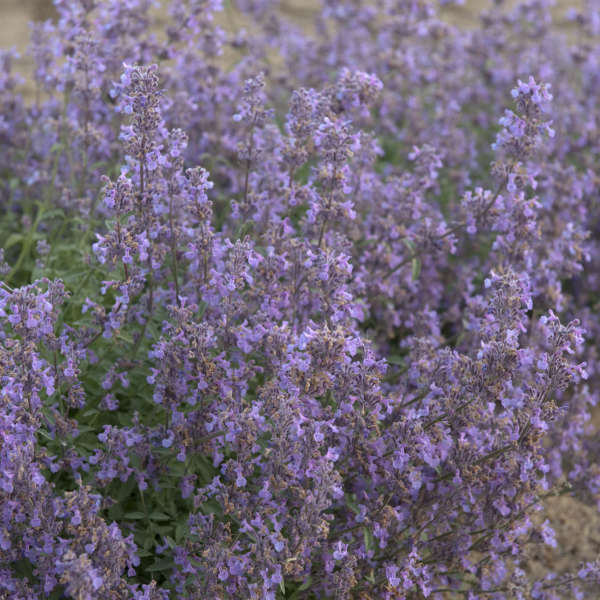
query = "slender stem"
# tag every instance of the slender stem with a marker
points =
(119, 242)
(249, 159)
(174, 251)
(290, 188)
(322, 232)
(150, 278)
(246, 177)
(142, 162)
(329, 203)
(138, 342)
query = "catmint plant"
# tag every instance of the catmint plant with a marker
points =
(301, 308)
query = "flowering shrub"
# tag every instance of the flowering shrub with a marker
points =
(297, 314)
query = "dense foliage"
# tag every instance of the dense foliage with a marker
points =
(297, 312)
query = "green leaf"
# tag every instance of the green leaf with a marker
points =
(282, 586)
(416, 268)
(23, 567)
(85, 428)
(409, 244)
(159, 516)
(368, 539)
(180, 531)
(55, 212)
(13, 238)
(115, 512)
(134, 515)
(306, 584)
(125, 490)
(302, 588)
(396, 360)
(351, 504)
(161, 565)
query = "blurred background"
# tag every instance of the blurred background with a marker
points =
(14, 17)
(16, 14)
